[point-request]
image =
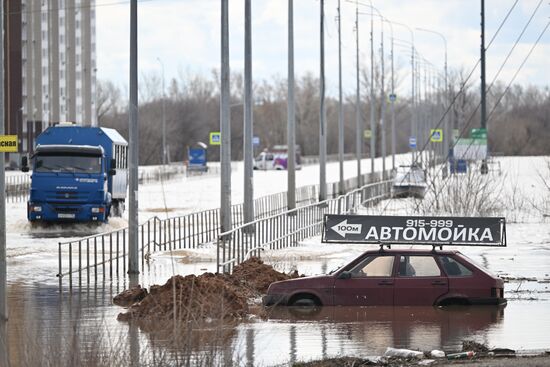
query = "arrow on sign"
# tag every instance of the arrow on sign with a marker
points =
(344, 228)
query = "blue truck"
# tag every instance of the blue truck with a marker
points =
(79, 174)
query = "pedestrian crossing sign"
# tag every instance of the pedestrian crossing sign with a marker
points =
(436, 135)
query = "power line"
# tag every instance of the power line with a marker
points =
(497, 103)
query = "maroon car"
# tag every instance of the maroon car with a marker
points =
(394, 278)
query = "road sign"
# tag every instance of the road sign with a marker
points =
(470, 149)
(256, 141)
(467, 231)
(436, 135)
(197, 157)
(215, 138)
(8, 144)
(393, 97)
(412, 142)
(479, 133)
(367, 134)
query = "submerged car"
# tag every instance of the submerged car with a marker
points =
(409, 181)
(395, 278)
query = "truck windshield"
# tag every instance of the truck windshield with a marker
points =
(65, 162)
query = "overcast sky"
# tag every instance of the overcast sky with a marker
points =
(185, 36)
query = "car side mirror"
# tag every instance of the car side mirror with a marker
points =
(24, 164)
(344, 275)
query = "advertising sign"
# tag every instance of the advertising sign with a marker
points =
(435, 231)
(8, 144)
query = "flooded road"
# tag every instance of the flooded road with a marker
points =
(85, 321)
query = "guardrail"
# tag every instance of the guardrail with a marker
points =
(17, 188)
(287, 229)
(103, 253)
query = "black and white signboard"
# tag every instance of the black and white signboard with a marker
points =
(387, 230)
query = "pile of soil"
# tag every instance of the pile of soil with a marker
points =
(207, 296)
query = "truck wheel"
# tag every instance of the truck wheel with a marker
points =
(117, 208)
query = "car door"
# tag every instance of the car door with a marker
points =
(419, 281)
(369, 283)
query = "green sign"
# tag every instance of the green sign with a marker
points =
(479, 133)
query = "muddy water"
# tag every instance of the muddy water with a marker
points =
(85, 321)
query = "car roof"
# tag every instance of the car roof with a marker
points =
(414, 251)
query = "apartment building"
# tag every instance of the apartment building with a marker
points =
(50, 66)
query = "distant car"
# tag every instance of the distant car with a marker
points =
(409, 181)
(395, 278)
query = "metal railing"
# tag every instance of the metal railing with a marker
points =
(104, 253)
(288, 228)
(17, 188)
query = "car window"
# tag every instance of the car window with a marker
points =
(453, 268)
(418, 266)
(374, 266)
(269, 157)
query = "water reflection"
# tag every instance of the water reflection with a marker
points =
(403, 327)
(327, 331)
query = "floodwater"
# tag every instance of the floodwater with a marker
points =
(42, 315)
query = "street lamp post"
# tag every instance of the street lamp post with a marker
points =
(340, 108)
(248, 156)
(446, 129)
(163, 115)
(413, 104)
(322, 117)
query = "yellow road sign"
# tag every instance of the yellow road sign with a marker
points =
(215, 138)
(436, 135)
(8, 144)
(367, 134)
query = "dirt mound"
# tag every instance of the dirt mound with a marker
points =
(214, 296)
(254, 274)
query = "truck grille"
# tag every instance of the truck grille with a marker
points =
(67, 196)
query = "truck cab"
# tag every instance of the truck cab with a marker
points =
(78, 175)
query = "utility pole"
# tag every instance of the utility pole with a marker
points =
(3, 265)
(358, 127)
(322, 113)
(392, 106)
(291, 121)
(4, 359)
(225, 124)
(372, 101)
(484, 169)
(383, 99)
(163, 115)
(133, 258)
(341, 190)
(248, 154)
(446, 128)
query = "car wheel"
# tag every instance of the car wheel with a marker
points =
(304, 301)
